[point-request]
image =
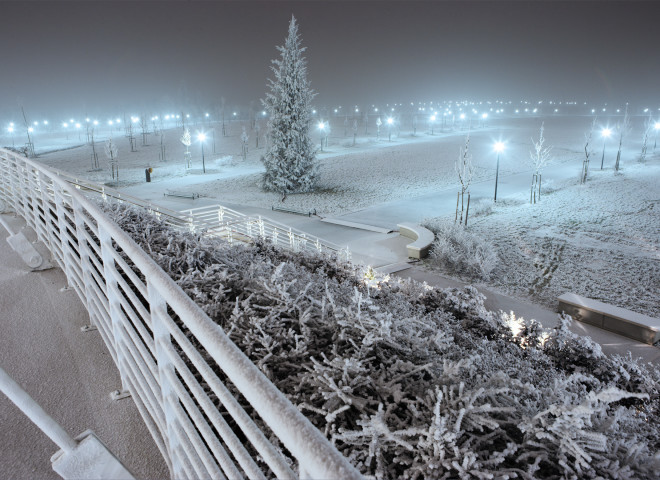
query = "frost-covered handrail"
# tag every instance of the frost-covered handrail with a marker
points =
(149, 326)
(225, 222)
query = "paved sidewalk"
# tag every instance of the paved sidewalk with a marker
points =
(68, 372)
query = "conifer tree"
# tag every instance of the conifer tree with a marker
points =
(290, 161)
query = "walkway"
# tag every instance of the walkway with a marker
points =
(68, 372)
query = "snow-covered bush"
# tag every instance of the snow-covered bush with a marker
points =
(415, 382)
(481, 208)
(459, 250)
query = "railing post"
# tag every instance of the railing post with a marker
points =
(114, 305)
(85, 262)
(162, 339)
(64, 243)
(45, 203)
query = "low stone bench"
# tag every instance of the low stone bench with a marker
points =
(608, 317)
(174, 193)
(423, 238)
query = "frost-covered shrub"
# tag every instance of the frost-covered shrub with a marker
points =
(481, 208)
(459, 250)
(225, 161)
(410, 381)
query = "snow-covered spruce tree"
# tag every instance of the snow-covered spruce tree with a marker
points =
(539, 156)
(290, 161)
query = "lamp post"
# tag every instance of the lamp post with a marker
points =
(11, 130)
(390, 121)
(656, 127)
(499, 148)
(202, 138)
(321, 129)
(432, 122)
(605, 133)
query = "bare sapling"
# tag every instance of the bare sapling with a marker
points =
(648, 127)
(224, 128)
(587, 152)
(186, 140)
(29, 146)
(162, 156)
(111, 152)
(95, 156)
(465, 170)
(622, 128)
(144, 126)
(540, 156)
(244, 143)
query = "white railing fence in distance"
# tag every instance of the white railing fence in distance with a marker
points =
(210, 410)
(224, 222)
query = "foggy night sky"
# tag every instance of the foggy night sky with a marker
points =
(60, 57)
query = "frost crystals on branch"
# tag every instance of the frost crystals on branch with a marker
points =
(465, 170)
(540, 156)
(290, 163)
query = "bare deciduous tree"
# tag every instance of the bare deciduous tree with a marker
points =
(622, 128)
(465, 170)
(539, 155)
(648, 126)
(111, 152)
(187, 141)
(587, 151)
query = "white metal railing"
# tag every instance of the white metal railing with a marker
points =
(220, 221)
(150, 327)
(224, 222)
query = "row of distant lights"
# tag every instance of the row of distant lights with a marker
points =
(484, 115)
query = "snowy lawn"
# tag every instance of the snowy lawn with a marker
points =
(410, 381)
(600, 240)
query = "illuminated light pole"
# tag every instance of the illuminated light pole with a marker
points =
(656, 127)
(499, 148)
(322, 130)
(11, 130)
(390, 122)
(432, 122)
(202, 138)
(606, 134)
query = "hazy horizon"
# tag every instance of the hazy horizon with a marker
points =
(92, 57)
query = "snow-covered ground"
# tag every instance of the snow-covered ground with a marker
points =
(600, 239)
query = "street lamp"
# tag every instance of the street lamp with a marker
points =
(657, 127)
(202, 138)
(11, 130)
(606, 134)
(321, 129)
(432, 122)
(499, 148)
(390, 122)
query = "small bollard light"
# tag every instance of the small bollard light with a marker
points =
(148, 172)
